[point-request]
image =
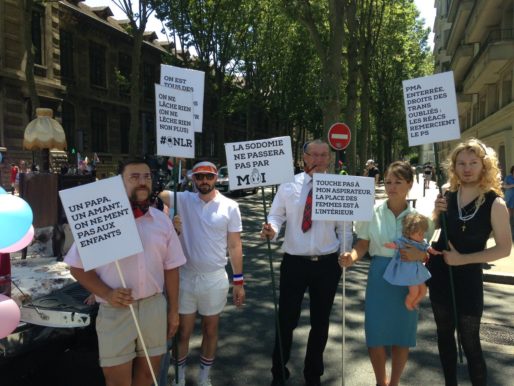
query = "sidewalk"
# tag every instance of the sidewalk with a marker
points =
(499, 271)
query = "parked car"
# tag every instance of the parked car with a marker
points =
(223, 186)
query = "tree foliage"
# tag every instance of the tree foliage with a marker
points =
(138, 18)
(295, 67)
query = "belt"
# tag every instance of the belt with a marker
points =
(315, 257)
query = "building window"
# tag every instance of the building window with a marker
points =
(506, 92)
(149, 82)
(123, 73)
(66, 46)
(68, 124)
(97, 65)
(99, 132)
(37, 29)
(481, 109)
(124, 131)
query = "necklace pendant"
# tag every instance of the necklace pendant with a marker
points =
(463, 227)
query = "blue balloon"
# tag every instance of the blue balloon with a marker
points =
(15, 219)
(2, 190)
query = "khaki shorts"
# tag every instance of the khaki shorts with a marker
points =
(118, 342)
(203, 292)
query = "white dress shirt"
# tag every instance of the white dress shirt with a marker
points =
(323, 238)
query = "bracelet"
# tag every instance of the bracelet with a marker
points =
(237, 279)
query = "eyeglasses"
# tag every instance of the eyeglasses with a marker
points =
(316, 155)
(207, 176)
(136, 177)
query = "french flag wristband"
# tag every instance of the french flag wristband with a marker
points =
(237, 279)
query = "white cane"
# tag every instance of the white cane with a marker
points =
(137, 326)
(343, 305)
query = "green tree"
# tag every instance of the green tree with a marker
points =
(138, 18)
(401, 53)
(324, 22)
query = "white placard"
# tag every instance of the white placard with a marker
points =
(174, 122)
(192, 81)
(102, 222)
(342, 198)
(431, 109)
(259, 163)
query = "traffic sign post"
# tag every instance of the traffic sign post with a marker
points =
(339, 136)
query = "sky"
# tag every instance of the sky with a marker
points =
(426, 8)
(427, 11)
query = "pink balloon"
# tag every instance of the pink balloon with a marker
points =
(9, 316)
(20, 244)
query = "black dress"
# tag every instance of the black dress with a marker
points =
(467, 237)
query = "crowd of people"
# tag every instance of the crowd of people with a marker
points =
(181, 274)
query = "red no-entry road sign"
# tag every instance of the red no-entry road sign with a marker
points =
(339, 136)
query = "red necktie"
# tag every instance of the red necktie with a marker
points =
(307, 213)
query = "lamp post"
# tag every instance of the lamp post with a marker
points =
(44, 133)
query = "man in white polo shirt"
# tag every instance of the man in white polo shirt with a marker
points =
(211, 226)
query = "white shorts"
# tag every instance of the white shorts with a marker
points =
(205, 293)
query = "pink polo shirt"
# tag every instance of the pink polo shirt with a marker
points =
(144, 272)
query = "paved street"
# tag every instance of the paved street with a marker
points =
(247, 335)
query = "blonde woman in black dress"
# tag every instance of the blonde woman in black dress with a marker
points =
(474, 208)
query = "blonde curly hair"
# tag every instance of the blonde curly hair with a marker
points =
(491, 174)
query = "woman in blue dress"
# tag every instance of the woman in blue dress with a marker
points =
(387, 321)
(410, 273)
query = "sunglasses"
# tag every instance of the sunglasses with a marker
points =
(207, 176)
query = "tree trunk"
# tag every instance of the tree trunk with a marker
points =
(364, 148)
(352, 160)
(135, 88)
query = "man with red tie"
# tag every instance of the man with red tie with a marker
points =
(310, 261)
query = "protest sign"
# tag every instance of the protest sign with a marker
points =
(431, 109)
(342, 198)
(102, 222)
(174, 118)
(187, 80)
(259, 163)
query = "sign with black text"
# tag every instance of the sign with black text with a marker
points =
(174, 122)
(431, 109)
(187, 80)
(102, 222)
(342, 198)
(259, 163)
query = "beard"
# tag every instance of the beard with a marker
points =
(204, 188)
(134, 195)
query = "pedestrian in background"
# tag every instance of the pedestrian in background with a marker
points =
(508, 185)
(310, 261)
(427, 174)
(372, 171)
(147, 275)
(211, 226)
(12, 179)
(474, 207)
(387, 321)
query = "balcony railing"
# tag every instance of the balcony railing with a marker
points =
(495, 35)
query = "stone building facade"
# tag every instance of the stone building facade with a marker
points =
(82, 72)
(475, 40)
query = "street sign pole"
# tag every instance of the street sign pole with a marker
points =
(339, 137)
